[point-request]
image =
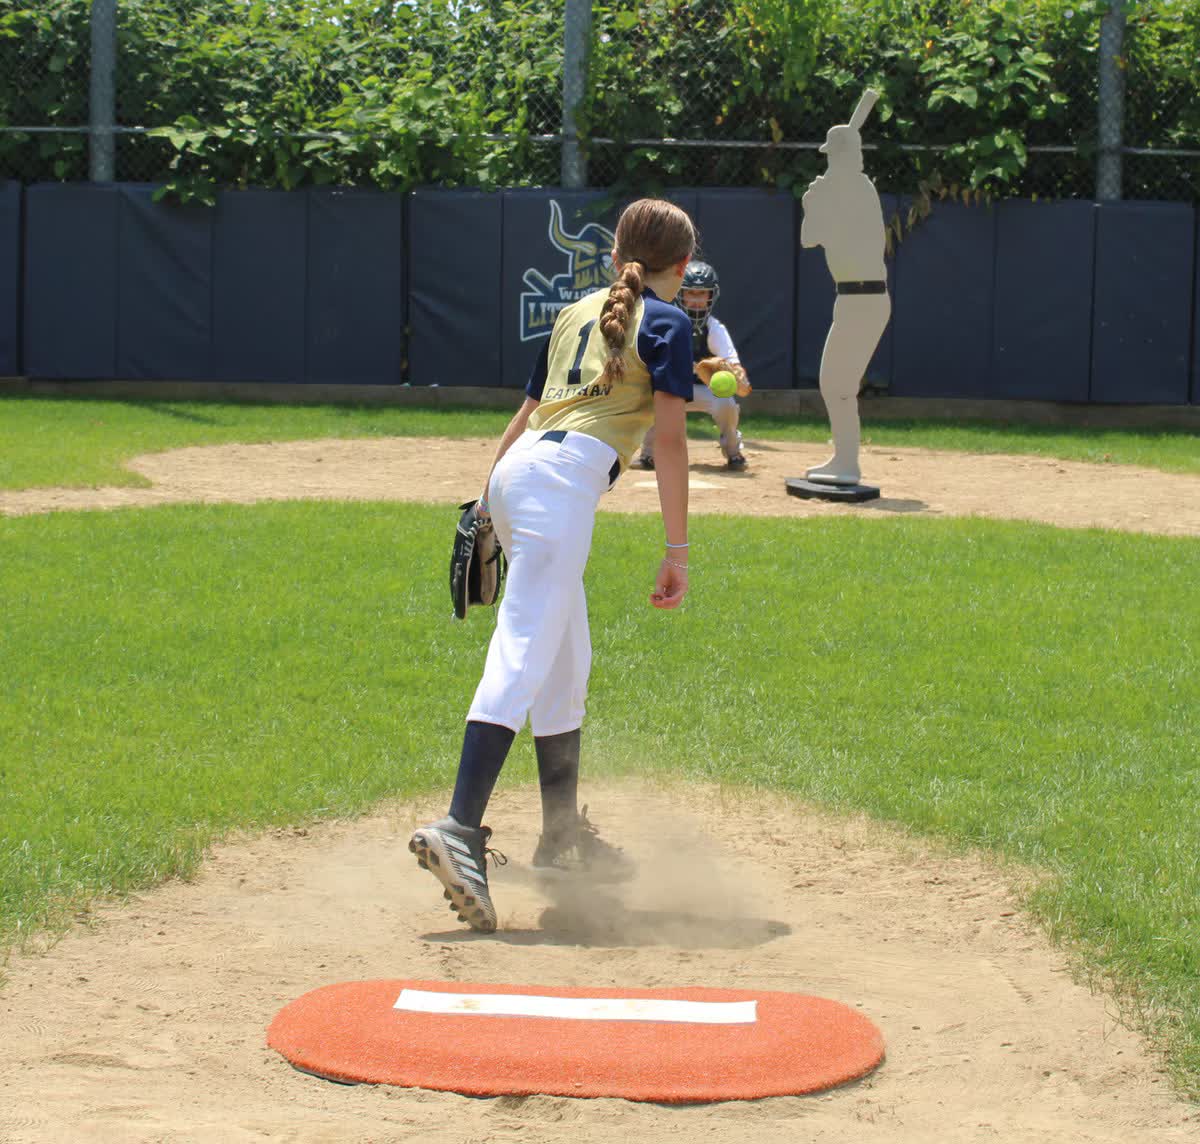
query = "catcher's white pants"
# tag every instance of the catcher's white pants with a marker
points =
(723, 410)
(543, 496)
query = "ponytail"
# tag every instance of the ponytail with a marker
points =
(652, 234)
(616, 314)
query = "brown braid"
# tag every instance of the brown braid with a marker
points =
(614, 318)
(652, 235)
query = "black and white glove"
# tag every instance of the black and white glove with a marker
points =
(477, 563)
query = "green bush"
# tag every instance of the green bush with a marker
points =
(361, 92)
(976, 84)
(44, 52)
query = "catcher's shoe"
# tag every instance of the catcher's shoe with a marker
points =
(457, 856)
(737, 462)
(578, 849)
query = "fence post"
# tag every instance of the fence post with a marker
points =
(577, 37)
(1111, 103)
(102, 96)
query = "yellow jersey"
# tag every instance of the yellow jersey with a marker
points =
(568, 379)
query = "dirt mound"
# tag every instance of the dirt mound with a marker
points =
(151, 1026)
(913, 481)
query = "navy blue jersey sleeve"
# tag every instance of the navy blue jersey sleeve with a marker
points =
(537, 376)
(665, 345)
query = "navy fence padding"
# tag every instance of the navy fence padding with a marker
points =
(942, 319)
(747, 236)
(1141, 342)
(551, 259)
(454, 287)
(164, 283)
(1043, 307)
(1196, 322)
(70, 310)
(259, 268)
(814, 308)
(356, 285)
(556, 250)
(879, 371)
(689, 199)
(1066, 301)
(10, 284)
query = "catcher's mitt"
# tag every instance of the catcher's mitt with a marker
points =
(477, 562)
(706, 367)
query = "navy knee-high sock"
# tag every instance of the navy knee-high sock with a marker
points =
(485, 747)
(558, 777)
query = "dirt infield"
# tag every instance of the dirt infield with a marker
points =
(913, 481)
(149, 1024)
(152, 1025)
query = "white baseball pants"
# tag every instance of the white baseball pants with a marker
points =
(723, 410)
(543, 496)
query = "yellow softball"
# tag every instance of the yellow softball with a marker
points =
(723, 383)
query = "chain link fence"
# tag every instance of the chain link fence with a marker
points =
(44, 73)
(276, 88)
(285, 83)
(736, 137)
(1161, 123)
(677, 93)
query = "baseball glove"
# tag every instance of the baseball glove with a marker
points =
(477, 562)
(706, 367)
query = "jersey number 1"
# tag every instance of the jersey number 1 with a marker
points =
(574, 376)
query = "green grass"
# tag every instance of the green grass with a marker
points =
(82, 442)
(170, 674)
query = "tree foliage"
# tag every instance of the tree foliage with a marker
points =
(393, 93)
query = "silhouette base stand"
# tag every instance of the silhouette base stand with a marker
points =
(816, 490)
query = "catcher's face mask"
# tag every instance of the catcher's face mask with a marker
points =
(698, 293)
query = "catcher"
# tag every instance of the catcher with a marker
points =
(712, 349)
(616, 360)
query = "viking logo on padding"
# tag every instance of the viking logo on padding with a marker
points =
(589, 268)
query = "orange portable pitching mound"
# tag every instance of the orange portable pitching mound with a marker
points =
(667, 1045)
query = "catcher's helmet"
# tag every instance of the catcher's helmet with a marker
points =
(699, 276)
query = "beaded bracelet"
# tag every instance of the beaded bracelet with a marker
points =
(675, 564)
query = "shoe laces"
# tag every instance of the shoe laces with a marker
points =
(498, 858)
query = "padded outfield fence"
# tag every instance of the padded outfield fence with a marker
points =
(435, 122)
(1068, 301)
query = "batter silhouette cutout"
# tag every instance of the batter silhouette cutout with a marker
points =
(843, 215)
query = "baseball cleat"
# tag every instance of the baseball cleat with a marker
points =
(457, 856)
(579, 850)
(737, 462)
(645, 462)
